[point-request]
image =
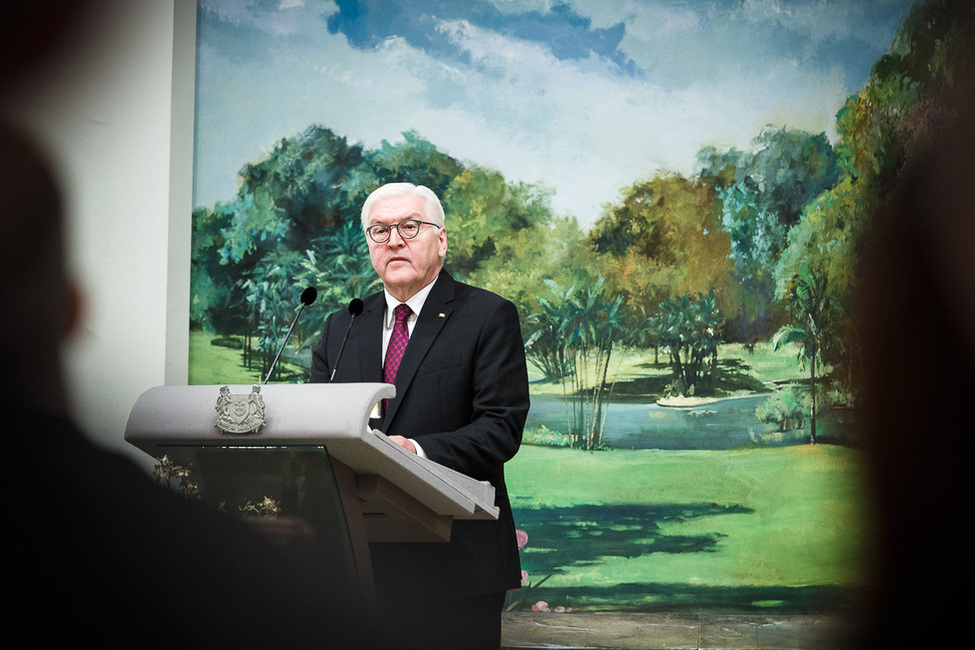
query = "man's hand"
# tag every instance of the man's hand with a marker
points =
(404, 443)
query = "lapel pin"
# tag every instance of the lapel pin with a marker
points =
(442, 315)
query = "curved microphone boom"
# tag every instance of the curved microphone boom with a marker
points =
(308, 296)
(355, 308)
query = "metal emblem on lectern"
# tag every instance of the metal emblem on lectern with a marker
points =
(239, 413)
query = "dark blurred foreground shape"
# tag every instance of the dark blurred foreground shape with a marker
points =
(99, 551)
(917, 311)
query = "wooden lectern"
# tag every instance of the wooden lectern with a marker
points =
(310, 448)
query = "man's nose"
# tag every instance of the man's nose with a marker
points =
(395, 241)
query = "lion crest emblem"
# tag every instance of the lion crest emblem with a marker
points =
(240, 413)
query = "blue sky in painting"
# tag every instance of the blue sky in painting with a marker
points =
(583, 96)
(568, 35)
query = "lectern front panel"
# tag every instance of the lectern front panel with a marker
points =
(289, 493)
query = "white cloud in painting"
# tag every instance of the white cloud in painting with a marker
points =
(585, 97)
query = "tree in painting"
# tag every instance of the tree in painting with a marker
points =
(813, 329)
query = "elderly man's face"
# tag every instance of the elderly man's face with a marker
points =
(406, 265)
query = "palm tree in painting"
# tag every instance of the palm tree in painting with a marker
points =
(812, 329)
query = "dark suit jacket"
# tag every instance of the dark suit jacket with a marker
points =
(462, 394)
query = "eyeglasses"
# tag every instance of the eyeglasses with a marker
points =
(408, 229)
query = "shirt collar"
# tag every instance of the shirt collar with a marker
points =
(415, 302)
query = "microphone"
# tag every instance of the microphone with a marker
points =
(308, 296)
(355, 308)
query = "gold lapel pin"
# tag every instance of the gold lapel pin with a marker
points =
(442, 315)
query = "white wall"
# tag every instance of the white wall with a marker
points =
(106, 109)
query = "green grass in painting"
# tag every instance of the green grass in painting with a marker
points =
(641, 374)
(765, 529)
(763, 363)
(218, 360)
(726, 526)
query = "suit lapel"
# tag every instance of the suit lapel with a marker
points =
(436, 310)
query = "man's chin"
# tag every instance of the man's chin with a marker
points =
(394, 280)
(399, 273)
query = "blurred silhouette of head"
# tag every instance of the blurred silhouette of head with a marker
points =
(40, 305)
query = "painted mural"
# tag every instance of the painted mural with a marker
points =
(673, 194)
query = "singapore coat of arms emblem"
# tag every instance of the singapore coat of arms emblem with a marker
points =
(238, 413)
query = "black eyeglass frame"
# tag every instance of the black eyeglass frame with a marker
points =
(390, 227)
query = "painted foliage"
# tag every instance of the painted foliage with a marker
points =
(674, 196)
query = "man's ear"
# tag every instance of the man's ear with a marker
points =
(443, 243)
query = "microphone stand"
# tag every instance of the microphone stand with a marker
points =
(355, 308)
(307, 297)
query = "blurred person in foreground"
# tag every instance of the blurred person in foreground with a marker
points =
(100, 552)
(917, 312)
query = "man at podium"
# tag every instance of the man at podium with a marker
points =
(457, 358)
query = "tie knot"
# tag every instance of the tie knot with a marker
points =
(402, 312)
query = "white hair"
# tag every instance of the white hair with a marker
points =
(433, 208)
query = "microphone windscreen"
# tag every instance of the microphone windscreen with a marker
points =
(309, 295)
(355, 307)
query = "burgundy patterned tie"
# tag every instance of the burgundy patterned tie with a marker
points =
(397, 343)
